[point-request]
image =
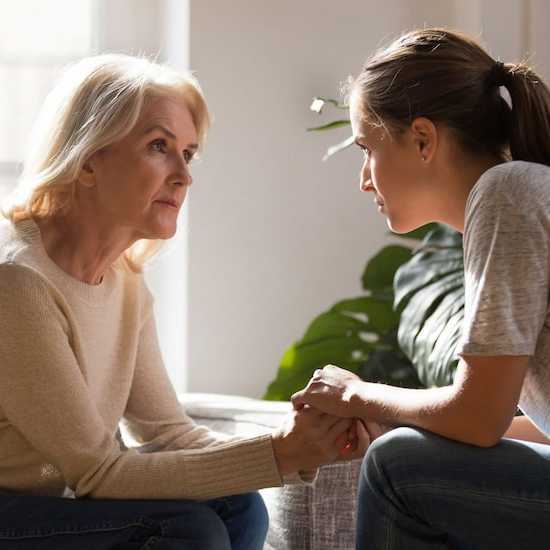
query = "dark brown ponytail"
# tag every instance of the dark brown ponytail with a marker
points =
(530, 118)
(448, 78)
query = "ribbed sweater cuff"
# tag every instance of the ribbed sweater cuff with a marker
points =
(233, 468)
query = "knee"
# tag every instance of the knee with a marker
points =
(253, 514)
(404, 453)
(392, 454)
(203, 530)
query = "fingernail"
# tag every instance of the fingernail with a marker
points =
(346, 448)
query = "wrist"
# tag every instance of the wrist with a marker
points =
(358, 400)
(283, 457)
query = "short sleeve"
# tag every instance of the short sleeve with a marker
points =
(506, 260)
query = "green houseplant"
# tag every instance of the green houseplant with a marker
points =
(405, 327)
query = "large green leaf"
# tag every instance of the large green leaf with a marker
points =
(332, 338)
(439, 255)
(390, 367)
(417, 234)
(381, 268)
(430, 289)
(379, 313)
(442, 364)
(430, 356)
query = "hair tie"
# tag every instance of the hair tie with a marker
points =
(497, 74)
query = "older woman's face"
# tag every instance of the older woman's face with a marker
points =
(140, 182)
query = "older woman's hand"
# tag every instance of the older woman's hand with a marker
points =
(309, 438)
(330, 390)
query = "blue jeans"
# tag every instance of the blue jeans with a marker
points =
(420, 491)
(47, 523)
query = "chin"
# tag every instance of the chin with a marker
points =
(167, 234)
(162, 233)
(400, 227)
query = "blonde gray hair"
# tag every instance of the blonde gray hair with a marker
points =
(96, 102)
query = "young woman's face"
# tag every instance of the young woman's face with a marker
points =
(140, 182)
(391, 171)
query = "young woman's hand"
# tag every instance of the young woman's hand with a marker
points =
(330, 390)
(309, 438)
(359, 437)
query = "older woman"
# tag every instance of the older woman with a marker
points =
(106, 175)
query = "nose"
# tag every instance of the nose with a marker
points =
(365, 182)
(182, 175)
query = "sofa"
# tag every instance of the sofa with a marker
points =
(302, 517)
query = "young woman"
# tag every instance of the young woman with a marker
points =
(451, 135)
(106, 175)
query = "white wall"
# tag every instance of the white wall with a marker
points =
(276, 236)
(538, 41)
(511, 30)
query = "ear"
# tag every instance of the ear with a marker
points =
(87, 174)
(425, 138)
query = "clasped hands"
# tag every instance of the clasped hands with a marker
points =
(324, 426)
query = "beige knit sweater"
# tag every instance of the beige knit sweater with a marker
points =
(75, 360)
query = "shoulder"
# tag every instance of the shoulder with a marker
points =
(514, 194)
(27, 298)
(518, 182)
(15, 268)
(18, 280)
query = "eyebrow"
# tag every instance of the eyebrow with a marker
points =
(168, 133)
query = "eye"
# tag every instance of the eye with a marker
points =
(364, 149)
(188, 155)
(159, 145)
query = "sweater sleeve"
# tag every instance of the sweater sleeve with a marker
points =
(44, 395)
(154, 417)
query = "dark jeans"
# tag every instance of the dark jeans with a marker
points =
(419, 491)
(47, 523)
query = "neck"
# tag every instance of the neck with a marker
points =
(458, 185)
(83, 250)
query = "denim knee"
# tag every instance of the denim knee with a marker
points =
(205, 531)
(253, 513)
(391, 454)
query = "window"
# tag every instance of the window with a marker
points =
(37, 39)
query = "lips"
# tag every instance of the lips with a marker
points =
(169, 202)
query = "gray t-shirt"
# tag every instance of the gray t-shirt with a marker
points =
(507, 275)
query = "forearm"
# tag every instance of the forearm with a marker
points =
(522, 428)
(443, 411)
(477, 408)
